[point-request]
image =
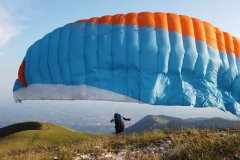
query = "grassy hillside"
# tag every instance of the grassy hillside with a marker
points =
(30, 134)
(51, 141)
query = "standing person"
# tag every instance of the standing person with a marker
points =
(119, 123)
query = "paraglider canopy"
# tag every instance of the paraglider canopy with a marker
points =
(154, 58)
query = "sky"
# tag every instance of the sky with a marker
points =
(22, 22)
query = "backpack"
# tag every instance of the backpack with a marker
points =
(118, 119)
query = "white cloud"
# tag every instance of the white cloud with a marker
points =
(7, 27)
(12, 13)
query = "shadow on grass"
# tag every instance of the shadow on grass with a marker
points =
(5, 131)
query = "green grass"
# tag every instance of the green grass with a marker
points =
(27, 134)
(51, 140)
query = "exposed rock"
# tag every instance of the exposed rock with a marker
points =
(86, 156)
(108, 155)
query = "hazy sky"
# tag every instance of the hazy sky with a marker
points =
(22, 22)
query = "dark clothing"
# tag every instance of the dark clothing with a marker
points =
(119, 123)
(119, 127)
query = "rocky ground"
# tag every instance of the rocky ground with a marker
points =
(159, 150)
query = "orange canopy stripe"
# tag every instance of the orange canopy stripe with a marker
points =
(185, 25)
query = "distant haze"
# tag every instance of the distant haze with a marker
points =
(94, 116)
